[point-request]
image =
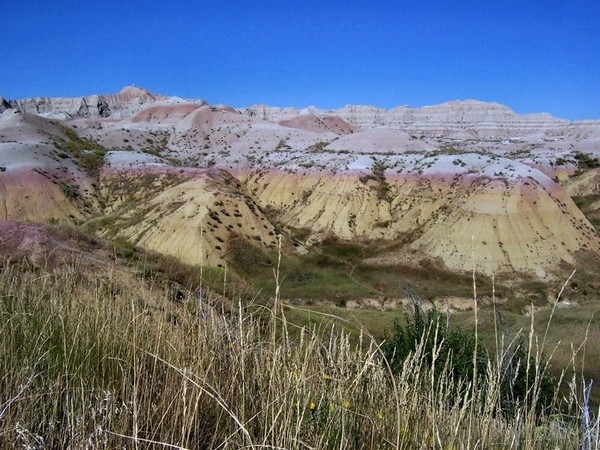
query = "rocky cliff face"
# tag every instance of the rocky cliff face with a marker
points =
(184, 178)
(515, 221)
(117, 106)
(457, 119)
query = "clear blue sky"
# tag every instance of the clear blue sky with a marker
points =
(534, 56)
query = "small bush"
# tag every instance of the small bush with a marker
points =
(70, 190)
(431, 332)
(454, 354)
(586, 161)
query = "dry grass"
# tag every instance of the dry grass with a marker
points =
(109, 361)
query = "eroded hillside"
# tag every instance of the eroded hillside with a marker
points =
(461, 185)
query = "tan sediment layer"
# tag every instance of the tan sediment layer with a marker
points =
(523, 226)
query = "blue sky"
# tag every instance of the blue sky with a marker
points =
(533, 56)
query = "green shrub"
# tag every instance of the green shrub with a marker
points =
(519, 375)
(431, 332)
(586, 161)
(71, 191)
(521, 382)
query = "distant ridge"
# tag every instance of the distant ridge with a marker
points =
(128, 101)
(132, 98)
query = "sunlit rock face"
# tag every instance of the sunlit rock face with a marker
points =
(122, 104)
(465, 183)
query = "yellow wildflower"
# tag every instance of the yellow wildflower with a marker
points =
(312, 406)
(346, 404)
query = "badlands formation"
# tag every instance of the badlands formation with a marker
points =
(459, 184)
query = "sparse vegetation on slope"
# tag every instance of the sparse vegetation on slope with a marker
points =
(589, 206)
(381, 186)
(314, 276)
(87, 154)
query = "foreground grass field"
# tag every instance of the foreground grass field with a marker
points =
(570, 329)
(112, 358)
